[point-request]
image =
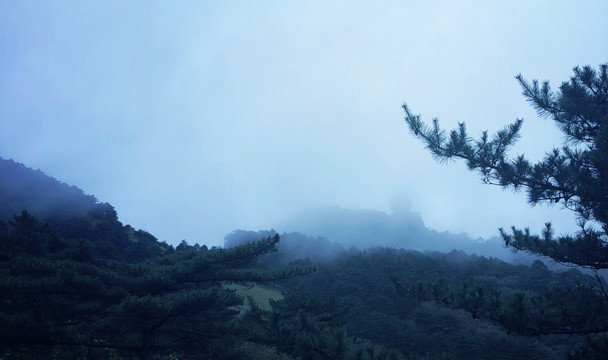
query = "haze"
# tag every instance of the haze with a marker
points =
(198, 118)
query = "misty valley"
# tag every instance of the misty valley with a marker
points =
(76, 283)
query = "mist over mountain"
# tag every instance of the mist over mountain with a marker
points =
(401, 229)
(293, 246)
(80, 261)
(332, 229)
(22, 188)
(31, 194)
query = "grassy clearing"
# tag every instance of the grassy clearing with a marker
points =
(259, 293)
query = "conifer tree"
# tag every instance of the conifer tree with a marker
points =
(61, 295)
(575, 175)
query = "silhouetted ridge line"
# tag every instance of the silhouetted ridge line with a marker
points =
(22, 188)
(65, 211)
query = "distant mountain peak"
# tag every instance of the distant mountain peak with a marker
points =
(403, 228)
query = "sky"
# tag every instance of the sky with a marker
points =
(196, 118)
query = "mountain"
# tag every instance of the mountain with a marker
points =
(68, 211)
(77, 283)
(43, 196)
(402, 229)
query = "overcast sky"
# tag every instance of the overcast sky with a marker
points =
(197, 118)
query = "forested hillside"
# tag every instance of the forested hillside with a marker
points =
(403, 228)
(22, 188)
(394, 298)
(76, 283)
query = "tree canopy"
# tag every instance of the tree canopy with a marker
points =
(114, 292)
(575, 175)
(81, 285)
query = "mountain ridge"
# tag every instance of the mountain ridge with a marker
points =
(401, 229)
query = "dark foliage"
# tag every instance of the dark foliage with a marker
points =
(293, 246)
(83, 285)
(381, 297)
(58, 293)
(575, 176)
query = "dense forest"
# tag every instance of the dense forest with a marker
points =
(77, 283)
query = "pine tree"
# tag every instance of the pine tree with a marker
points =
(61, 295)
(575, 176)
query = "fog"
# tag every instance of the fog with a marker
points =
(198, 118)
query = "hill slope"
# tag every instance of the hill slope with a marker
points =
(402, 229)
(43, 196)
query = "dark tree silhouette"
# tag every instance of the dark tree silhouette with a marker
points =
(61, 295)
(575, 175)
